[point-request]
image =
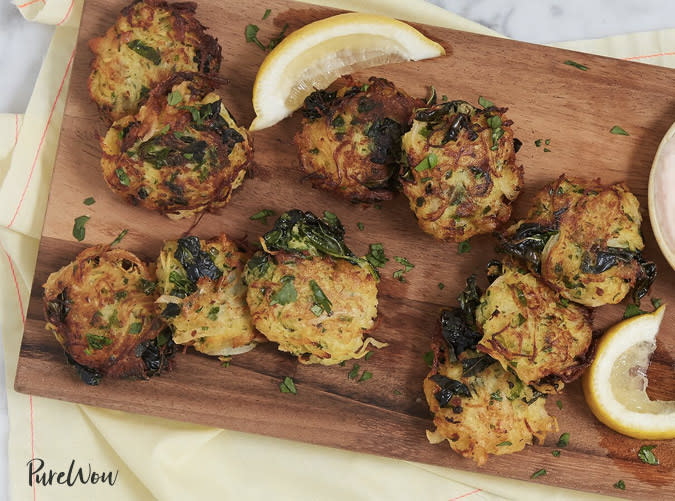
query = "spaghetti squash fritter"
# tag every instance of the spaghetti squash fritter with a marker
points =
(350, 140)
(100, 308)
(460, 173)
(203, 295)
(584, 239)
(529, 329)
(309, 293)
(150, 41)
(181, 154)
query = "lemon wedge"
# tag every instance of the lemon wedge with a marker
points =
(313, 56)
(614, 385)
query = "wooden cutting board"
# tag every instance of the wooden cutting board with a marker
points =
(386, 415)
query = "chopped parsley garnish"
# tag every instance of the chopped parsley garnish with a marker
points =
(521, 296)
(288, 386)
(360, 226)
(135, 328)
(96, 342)
(576, 65)
(559, 404)
(564, 440)
(122, 176)
(354, 372)
(546, 150)
(397, 392)
(320, 298)
(251, 34)
(497, 395)
(633, 310)
(441, 285)
(620, 485)
(429, 358)
(521, 319)
(564, 302)
(656, 302)
(89, 201)
(145, 51)
(78, 227)
(485, 103)
(556, 453)
(119, 237)
(537, 143)
(647, 456)
(213, 313)
(147, 286)
(121, 294)
(506, 442)
(547, 142)
(463, 247)
(266, 14)
(174, 98)
(429, 162)
(376, 256)
(495, 123)
(262, 215)
(330, 217)
(287, 294)
(407, 266)
(365, 376)
(368, 355)
(538, 473)
(618, 130)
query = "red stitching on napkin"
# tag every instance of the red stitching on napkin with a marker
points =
(29, 3)
(16, 282)
(650, 55)
(72, 2)
(42, 139)
(465, 495)
(16, 129)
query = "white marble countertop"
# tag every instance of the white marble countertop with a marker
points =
(23, 46)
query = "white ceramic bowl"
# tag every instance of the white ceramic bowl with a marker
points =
(656, 192)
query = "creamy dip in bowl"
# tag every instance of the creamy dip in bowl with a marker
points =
(661, 196)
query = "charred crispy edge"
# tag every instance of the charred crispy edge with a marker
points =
(184, 16)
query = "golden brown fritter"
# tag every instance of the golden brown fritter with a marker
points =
(532, 331)
(100, 308)
(203, 279)
(485, 411)
(150, 41)
(350, 140)
(460, 173)
(584, 239)
(309, 293)
(182, 154)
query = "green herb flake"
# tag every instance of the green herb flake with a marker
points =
(441, 285)
(365, 376)
(633, 310)
(147, 286)
(96, 342)
(497, 395)
(368, 355)
(546, 150)
(547, 142)
(485, 103)
(251, 35)
(330, 217)
(618, 130)
(288, 386)
(135, 328)
(556, 453)
(538, 473)
(122, 176)
(360, 226)
(521, 319)
(564, 440)
(463, 247)
(145, 51)
(576, 65)
(537, 143)
(213, 313)
(505, 443)
(174, 98)
(78, 227)
(286, 294)
(354, 372)
(647, 456)
(564, 302)
(119, 237)
(429, 162)
(89, 201)
(559, 404)
(121, 295)
(274, 41)
(266, 14)
(656, 302)
(429, 358)
(320, 298)
(262, 215)
(521, 296)
(397, 392)
(620, 485)
(376, 256)
(407, 266)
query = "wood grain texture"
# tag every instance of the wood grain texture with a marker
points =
(386, 415)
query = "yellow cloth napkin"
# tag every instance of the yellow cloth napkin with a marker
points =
(156, 458)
